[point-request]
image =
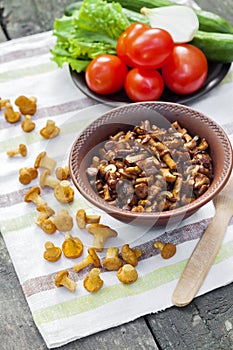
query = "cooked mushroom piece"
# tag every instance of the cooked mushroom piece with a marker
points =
(93, 282)
(62, 279)
(127, 274)
(112, 260)
(91, 259)
(101, 234)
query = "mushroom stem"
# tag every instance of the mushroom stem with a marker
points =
(69, 283)
(101, 234)
(44, 161)
(91, 259)
(62, 279)
(47, 180)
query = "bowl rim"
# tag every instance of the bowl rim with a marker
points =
(96, 200)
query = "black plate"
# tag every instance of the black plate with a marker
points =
(216, 73)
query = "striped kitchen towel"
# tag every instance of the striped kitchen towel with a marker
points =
(61, 316)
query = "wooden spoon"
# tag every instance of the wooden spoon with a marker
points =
(207, 248)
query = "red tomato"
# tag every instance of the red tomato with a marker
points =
(186, 70)
(129, 34)
(146, 48)
(105, 74)
(143, 85)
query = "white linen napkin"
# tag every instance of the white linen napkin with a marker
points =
(61, 316)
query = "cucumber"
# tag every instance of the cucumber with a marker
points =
(208, 21)
(217, 47)
(132, 16)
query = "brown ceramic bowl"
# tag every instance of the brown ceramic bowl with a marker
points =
(125, 117)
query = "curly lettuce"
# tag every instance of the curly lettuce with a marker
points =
(88, 32)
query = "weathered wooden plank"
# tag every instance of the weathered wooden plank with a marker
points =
(207, 323)
(18, 331)
(35, 16)
(32, 16)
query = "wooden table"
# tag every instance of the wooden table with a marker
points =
(207, 323)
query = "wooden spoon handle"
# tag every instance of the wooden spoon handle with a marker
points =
(202, 258)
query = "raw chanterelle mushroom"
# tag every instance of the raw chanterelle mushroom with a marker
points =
(62, 279)
(93, 282)
(91, 259)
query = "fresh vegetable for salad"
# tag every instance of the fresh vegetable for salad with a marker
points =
(182, 29)
(90, 31)
(208, 21)
(92, 27)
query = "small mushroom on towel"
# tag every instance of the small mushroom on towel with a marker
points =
(62, 279)
(93, 282)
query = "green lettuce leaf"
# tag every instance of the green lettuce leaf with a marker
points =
(90, 31)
